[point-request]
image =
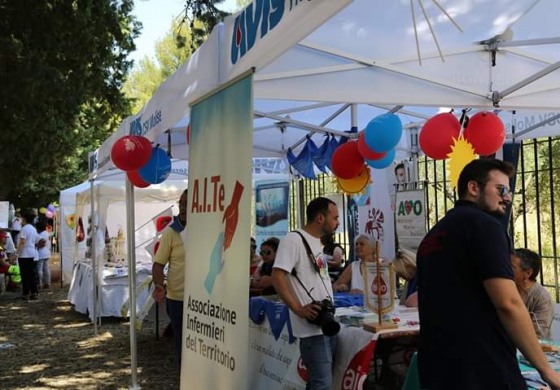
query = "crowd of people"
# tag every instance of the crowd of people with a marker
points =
(24, 256)
(478, 299)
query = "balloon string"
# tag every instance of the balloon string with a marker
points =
(464, 121)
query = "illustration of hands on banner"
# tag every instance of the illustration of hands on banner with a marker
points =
(224, 239)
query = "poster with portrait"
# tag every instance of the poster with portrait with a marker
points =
(398, 179)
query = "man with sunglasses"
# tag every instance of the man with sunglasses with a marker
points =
(472, 318)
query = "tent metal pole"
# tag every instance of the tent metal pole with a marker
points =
(523, 83)
(95, 295)
(301, 125)
(535, 126)
(131, 255)
(415, 149)
(324, 123)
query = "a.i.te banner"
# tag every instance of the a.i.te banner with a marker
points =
(410, 218)
(215, 320)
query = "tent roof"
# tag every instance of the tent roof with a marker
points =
(367, 53)
(348, 61)
(68, 196)
(114, 191)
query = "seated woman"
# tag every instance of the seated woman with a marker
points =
(526, 266)
(404, 264)
(351, 278)
(261, 282)
(254, 259)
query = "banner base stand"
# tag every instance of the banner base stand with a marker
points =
(377, 327)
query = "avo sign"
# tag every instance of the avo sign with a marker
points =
(409, 206)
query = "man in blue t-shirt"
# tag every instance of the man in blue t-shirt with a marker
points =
(472, 318)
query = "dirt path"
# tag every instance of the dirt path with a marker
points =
(55, 348)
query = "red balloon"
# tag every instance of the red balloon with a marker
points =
(486, 133)
(347, 162)
(365, 151)
(162, 222)
(436, 137)
(131, 152)
(136, 180)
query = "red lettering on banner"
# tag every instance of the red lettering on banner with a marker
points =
(207, 195)
(302, 371)
(356, 373)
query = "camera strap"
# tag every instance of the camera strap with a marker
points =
(311, 258)
(310, 254)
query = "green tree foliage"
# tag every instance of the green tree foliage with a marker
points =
(148, 75)
(62, 65)
(205, 12)
(242, 3)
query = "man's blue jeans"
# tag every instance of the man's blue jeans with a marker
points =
(175, 313)
(317, 355)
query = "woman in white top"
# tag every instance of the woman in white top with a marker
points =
(351, 278)
(27, 253)
(44, 253)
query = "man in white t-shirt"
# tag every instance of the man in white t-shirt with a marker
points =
(27, 254)
(302, 282)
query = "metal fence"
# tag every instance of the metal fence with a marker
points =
(302, 191)
(534, 220)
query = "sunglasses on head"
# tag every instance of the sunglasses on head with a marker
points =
(266, 252)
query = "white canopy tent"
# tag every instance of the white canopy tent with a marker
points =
(322, 67)
(109, 191)
(365, 53)
(67, 236)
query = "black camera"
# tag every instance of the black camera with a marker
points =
(325, 319)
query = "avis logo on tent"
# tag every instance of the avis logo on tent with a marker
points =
(261, 14)
(136, 126)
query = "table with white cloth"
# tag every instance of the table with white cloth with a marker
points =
(274, 353)
(113, 289)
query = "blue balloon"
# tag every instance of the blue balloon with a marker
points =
(157, 169)
(383, 162)
(383, 132)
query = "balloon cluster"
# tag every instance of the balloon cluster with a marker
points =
(485, 132)
(374, 148)
(144, 164)
(49, 211)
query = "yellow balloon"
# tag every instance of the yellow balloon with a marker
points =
(43, 210)
(356, 184)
